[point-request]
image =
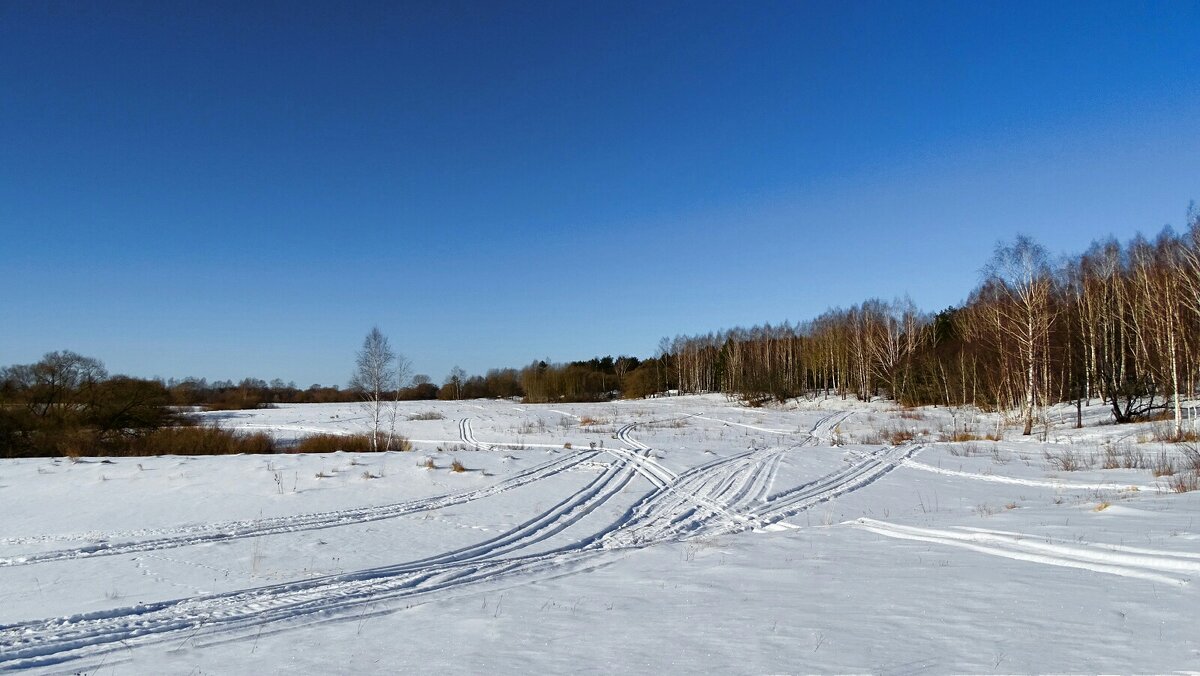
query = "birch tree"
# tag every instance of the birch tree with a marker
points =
(1021, 275)
(377, 377)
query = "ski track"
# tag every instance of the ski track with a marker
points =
(1147, 564)
(727, 495)
(738, 424)
(468, 435)
(1040, 483)
(210, 533)
(219, 532)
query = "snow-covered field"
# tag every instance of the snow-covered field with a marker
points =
(684, 535)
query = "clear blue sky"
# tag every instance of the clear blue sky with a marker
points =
(230, 189)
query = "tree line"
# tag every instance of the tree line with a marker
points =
(1118, 324)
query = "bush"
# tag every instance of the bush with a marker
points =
(1163, 465)
(960, 435)
(208, 440)
(329, 443)
(1068, 460)
(1185, 482)
(350, 443)
(1165, 433)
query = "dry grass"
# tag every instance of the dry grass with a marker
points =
(567, 445)
(457, 466)
(959, 436)
(587, 421)
(328, 443)
(1105, 504)
(1164, 432)
(894, 436)
(427, 415)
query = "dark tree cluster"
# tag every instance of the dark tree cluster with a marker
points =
(68, 404)
(250, 393)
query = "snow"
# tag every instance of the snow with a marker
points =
(684, 534)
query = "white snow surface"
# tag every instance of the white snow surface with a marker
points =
(680, 535)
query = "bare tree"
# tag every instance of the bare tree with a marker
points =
(1021, 277)
(377, 377)
(456, 379)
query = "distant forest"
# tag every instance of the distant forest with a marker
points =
(1118, 324)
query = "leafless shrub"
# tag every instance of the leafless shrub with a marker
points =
(964, 450)
(1163, 465)
(427, 415)
(872, 438)
(1191, 457)
(531, 426)
(1111, 459)
(999, 456)
(985, 510)
(1133, 458)
(1069, 460)
(1184, 482)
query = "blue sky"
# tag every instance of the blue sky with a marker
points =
(244, 189)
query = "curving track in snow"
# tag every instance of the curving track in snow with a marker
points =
(729, 494)
(233, 530)
(1175, 568)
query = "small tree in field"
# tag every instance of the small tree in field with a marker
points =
(377, 377)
